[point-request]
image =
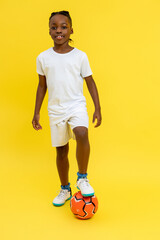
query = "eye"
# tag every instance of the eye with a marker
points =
(64, 27)
(53, 28)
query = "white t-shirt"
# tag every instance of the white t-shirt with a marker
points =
(64, 76)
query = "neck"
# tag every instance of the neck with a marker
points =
(62, 48)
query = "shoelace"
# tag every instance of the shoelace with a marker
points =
(62, 193)
(84, 182)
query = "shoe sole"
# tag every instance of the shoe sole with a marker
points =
(86, 195)
(58, 205)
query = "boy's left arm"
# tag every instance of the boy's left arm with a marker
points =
(94, 94)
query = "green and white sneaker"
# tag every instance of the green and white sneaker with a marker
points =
(62, 197)
(85, 188)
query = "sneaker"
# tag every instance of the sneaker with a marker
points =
(85, 188)
(62, 197)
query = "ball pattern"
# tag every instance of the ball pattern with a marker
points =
(83, 207)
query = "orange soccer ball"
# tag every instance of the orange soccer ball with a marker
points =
(83, 207)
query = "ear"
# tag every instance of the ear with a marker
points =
(71, 30)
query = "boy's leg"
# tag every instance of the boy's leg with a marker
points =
(82, 154)
(63, 163)
(83, 148)
(63, 168)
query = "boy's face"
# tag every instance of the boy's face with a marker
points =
(60, 29)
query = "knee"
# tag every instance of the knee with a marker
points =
(81, 133)
(62, 152)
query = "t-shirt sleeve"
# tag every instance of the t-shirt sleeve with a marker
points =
(39, 66)
(85, 67)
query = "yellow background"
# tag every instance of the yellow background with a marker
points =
(121, 39)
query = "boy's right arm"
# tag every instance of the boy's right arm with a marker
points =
(41, 91)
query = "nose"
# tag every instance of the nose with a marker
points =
(58, 30)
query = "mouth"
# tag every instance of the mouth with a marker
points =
(59, 37)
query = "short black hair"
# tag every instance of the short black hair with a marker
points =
(65, 13)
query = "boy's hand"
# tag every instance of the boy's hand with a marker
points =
(97, 115)
(35, 122)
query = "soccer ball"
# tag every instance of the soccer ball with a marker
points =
(83, 207)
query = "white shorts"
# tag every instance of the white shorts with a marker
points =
(62, 132)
